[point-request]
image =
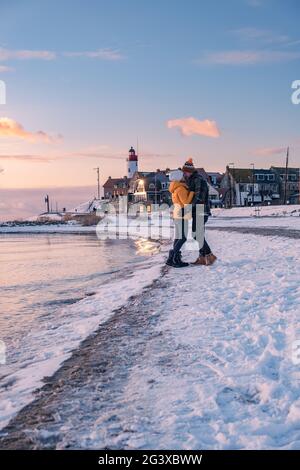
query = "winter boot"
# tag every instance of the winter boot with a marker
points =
(207, 260)
(178, 263)
(200, 261)
(169, 261)
(210, 259)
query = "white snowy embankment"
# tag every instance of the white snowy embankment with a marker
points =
(65, 333)
(269, 216)
(291, 223)
(220, 373)
(262, 211)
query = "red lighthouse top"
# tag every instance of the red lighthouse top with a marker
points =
(132, 155)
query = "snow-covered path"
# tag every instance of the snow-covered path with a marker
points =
(222, 370)
(203, 360)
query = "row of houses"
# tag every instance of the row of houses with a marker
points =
(244, 187)
(235, 187)
(153, 187)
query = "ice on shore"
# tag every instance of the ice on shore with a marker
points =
(65, 333)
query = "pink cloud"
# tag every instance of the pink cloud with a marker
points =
(25, 54)
(191, 126)
(11, 128)
(269, 151)
(4, 69)
(247, 57)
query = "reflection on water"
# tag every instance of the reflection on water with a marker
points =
(146, 247)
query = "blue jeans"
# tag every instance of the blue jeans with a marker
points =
(204, 250)
(181, 231)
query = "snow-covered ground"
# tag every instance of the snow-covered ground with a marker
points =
(222, 374)
(212, 366)
(292, 223)
(261, 211)
(269, 216)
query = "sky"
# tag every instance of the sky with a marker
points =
(86, 80)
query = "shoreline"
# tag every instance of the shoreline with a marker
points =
(87, 314)
(21, 430)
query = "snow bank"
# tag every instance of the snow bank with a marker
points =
(222, 370)
(264, 211)
(69, 228)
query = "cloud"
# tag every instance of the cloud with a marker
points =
(25, 54)
(293, 43)
(270, 151)
(191, 126)
(5, 68)
(101, 152)
(103, 54)
(247, 57)
(11, 128)
(25, 157)
(46, 158)
(262, 35)
(108, 54)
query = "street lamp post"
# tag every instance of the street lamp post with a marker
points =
(299, 185)
(98, 180)
(286, 175)
(231, 187)
(252, 164)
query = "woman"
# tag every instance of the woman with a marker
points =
(181, 197)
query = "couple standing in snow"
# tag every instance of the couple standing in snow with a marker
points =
(189, 194)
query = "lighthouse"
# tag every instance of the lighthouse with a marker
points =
(132, 163)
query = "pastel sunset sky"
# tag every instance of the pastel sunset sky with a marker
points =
(84, 80)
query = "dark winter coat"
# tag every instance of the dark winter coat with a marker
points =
(199, 186)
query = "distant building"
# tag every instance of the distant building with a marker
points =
(132, 163)
(153, 187)
(150, 186)
(244, 186)
(115, 187)
(215, 178)
(292, 178)
(213, 192)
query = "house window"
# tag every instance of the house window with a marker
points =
(260, 177)
(271, 177)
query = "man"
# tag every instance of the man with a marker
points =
(199, 186)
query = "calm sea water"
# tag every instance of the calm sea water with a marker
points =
(42, 274)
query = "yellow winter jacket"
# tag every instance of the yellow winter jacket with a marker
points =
(181, 196)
